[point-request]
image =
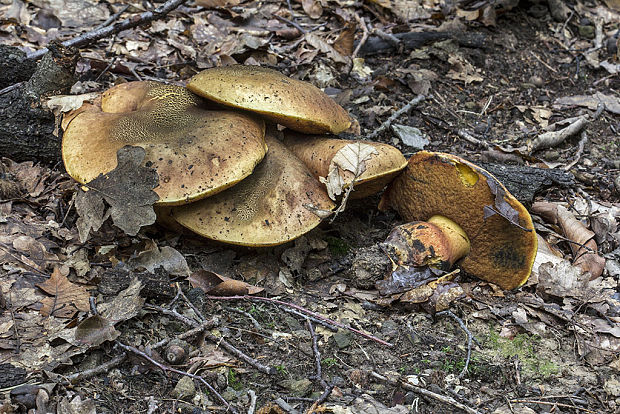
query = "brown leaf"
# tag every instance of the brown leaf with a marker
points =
(128, 190)
(214, 284)
(584, 247)
(95, 330)
(313, 8)
(68, 298)
(344, 42)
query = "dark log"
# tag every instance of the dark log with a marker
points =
(26, 126)
(414, 40)
(524, 182)
(15, 67)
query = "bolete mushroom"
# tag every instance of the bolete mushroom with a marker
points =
(293, 103)
(500, 229)
(272, 206)
(336, 159)
(196, 152)
(438, 242)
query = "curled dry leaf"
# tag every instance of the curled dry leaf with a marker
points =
(95, 330)
(347, 165)
(218, 285)
(584, 248)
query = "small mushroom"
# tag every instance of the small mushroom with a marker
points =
(438, 242)
(195, 152)
(500, 229)
(380, 162)
(274, 205)
(293, 103)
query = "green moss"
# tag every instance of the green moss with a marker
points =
(337, 247)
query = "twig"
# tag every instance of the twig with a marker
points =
(365, 33)
(287, 21)
(89, 373)
(189, 303)
(551, 68)
(208, 324)
(113, 18)
(553, 404)
(443, 398)
(285, 406)
(166, 368)
(11, 87)
(317, 355)
(218, 341)
(470, 337)
(305, 312)
(129, 23)
(18, 342)
(315, 320)
(471, 139)
(239, 354)
(581, 146)
(252, 407)
(247, 315)
(386, 124)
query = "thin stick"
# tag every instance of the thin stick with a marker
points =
(129, 23)
(317, 355)
(470, 337)
(11, 87)
(386, 124)
(443, 398)
(554, 404)
(166, 368)
(315, 320)
(89, 373)
(218, 341)
(194, 331)
(304, 311)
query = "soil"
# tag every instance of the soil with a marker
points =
(547, 372)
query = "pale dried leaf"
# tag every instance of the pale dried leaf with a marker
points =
(68, 298)
(347, 165)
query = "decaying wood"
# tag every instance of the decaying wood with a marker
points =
(414, 40)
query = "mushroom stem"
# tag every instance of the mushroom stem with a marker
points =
(438, 242)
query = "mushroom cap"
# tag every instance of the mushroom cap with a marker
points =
(295, 104)
(446, 185)
(318, 153)
(195, 152)
(266, 209)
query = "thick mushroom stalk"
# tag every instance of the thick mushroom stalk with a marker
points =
(438, 242)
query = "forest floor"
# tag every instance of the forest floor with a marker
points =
(549, 346)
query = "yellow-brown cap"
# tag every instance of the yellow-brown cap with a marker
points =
(272, 206)
(293, 103)
(503, 246)
(195, 152)
(380, 162)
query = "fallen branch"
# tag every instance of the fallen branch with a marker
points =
(129, 23)
(442, 398)
(166, 368)
(386, 124)
(305, 312)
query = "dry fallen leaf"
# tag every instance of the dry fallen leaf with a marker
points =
(218, 285)
(348, 164)
(128, 190)
(68, 298)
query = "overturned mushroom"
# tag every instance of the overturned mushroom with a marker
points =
(274, 205)
(295, 104)
(334, 161)
(195, 152)
(438, 242)
(500, 230)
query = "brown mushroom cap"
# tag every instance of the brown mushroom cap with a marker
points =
(266, 209)
(442, 184)
(318, 153)
(295, 104)
(195, 152)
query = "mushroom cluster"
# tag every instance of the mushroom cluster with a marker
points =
(222, 173)
(225, 175)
